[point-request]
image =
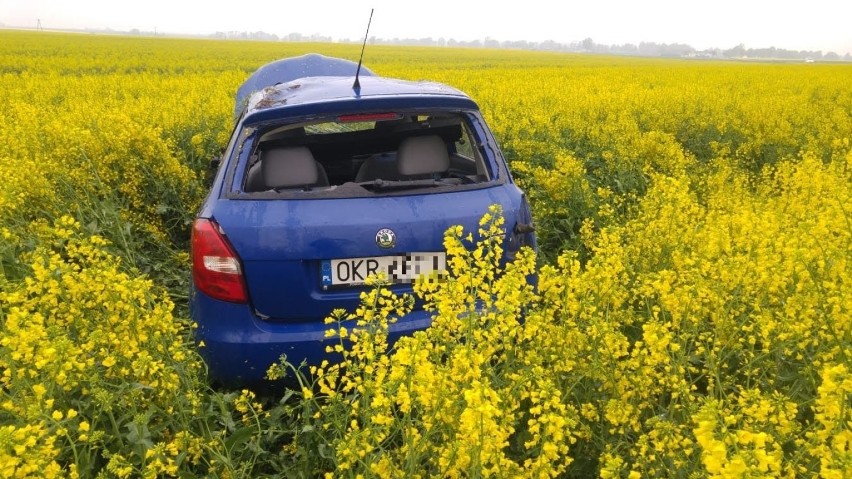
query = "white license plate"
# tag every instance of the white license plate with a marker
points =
(398, 269)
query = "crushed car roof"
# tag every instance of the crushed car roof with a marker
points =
(289, 69)
(311, 83)
(328, 94)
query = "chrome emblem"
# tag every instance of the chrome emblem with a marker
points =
(386, 238)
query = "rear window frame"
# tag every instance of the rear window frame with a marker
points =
(249, 136)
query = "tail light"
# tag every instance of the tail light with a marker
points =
(216, 269)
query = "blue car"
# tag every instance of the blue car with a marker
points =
(324, 182)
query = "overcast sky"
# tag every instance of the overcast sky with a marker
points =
(796, 25)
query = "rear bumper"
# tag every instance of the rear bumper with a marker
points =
(239, 348)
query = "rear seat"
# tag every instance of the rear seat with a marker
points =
(417, 157)
(423, 156)
(382, 165)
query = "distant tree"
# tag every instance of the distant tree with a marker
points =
(848, 57)
(550, 45)
(675, 50)
(588, 44)
(736, 52)
(649, 49)
(627, 48)
(782, 53)
(263, 36)
(831, 56)
(518, 45)
(602, 48)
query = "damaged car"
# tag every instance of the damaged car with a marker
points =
(326, 181)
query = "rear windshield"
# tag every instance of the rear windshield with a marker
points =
(374, 153)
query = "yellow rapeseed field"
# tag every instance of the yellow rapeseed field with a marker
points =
(692, 317)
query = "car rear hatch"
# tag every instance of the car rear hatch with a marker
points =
(288, 247)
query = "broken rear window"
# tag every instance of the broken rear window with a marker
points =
(374, 152)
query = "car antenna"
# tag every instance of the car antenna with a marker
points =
(357, 85)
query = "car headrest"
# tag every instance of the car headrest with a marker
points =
(294, 166)
(423, 155)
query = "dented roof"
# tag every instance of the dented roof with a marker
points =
(317, 84)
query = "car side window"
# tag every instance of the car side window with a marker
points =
(464, 145)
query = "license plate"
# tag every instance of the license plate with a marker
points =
(397, 269)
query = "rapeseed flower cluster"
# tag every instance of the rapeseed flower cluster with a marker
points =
(687, 342)
(454, 400)
(86, 350)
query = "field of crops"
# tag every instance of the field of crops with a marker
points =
(693, 316)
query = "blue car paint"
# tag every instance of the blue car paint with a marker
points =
(240, 356)
(282, 242)
(282, 256)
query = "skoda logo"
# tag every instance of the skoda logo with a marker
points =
(386, 238)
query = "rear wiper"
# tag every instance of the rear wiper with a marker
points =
(281, 189)
(380, 184)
